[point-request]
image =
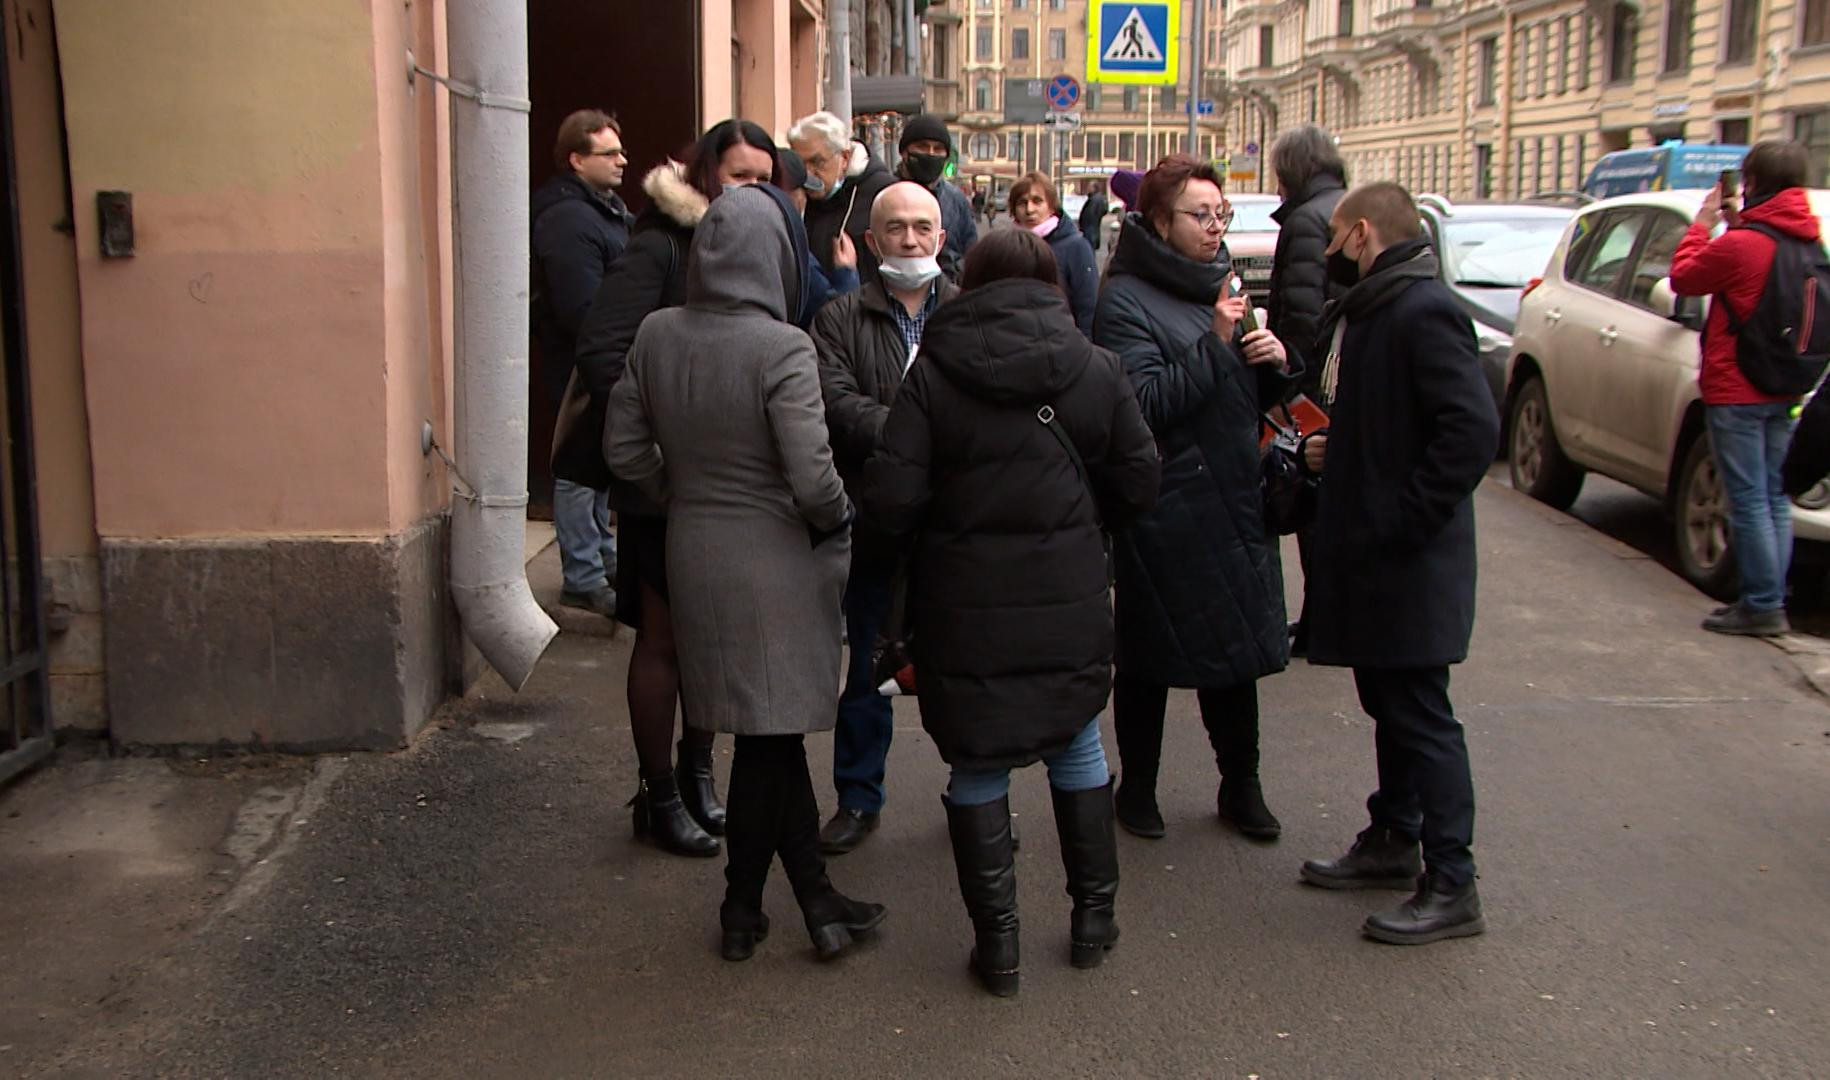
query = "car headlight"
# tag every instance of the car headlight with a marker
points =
(1817, 498)
(1491, 340)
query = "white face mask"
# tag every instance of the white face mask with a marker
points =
(908, 271)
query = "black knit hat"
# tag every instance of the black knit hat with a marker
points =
(925, 126)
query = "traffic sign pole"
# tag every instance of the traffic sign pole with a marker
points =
(1196, 44)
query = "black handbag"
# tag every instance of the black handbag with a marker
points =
(1288, 490)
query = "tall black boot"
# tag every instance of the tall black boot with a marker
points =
(1231, 719)
(693, 775)
(661, 819)
(833, 920)
(1137, 723)
(988, 884)
(1089, 852)
(755, 814)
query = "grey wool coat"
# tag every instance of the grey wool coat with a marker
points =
(719, 419)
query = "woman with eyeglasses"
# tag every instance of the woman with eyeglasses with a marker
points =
(1200, 600)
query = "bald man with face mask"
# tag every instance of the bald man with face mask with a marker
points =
(867, 341)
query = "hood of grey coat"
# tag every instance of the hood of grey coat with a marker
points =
(743, 258)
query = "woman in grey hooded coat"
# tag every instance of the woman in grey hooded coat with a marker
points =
(719, 419)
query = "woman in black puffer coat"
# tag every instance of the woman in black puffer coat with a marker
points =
(1012, 445)
(1200, 591)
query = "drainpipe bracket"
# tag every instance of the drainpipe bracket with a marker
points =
(464, 90)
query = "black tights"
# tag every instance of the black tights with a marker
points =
(771, 809)
(654, 690)
(1230, 715)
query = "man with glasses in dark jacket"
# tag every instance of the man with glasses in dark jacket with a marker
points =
(580, 227)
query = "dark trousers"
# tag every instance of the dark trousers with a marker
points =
(1426, 789)
(771, 810)
(1230, 715)
(861, 741)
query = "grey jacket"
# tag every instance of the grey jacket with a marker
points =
(719, 419)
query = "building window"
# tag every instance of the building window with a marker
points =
(1094, 96)
(1563, 55)
(1521, 62)
(984, 5)
(1483, 170)
(1015, 152)
(937, 53)
(1168, 99)
(1111, 142)
(1812, 131)
(1057, 5)
(1346, 17)
(1093, 148)
(984, 147)
(1077, 145)
(1019, 43)
(1057, 44)
(1018, 5)
(1130, 99)
(1680, 26)
(1127, 146)
(981, 95)
(984, 45)
(1489, 71)
(1734, 132)
(1517, 165)
(1586, 63)
(1623, 43)
(1738, 31)
(1267, 42)
(1543, 84)
(1816, 23)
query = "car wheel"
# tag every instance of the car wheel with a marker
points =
(1539, 468)
(1705, 554)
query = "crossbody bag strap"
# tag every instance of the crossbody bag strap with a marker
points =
(1046, 414)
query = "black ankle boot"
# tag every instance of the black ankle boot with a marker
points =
(693, 776)
(1136, 809)
(1379, 859)
(1242, 806)
(742, 931)
(661, 819)
(1436, 911)
(1089, 853)
(988, 884)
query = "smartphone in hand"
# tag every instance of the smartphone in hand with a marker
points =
(1730, 182)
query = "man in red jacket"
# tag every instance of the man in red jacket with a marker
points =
(1749, 430)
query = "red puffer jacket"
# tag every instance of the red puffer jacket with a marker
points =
(1735, 265)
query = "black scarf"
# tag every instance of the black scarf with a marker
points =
(1396, 269)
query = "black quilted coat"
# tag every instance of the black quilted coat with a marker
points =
(1008, 590)
(1200, 589)
(1300, 288)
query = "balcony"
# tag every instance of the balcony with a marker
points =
(1401, 16)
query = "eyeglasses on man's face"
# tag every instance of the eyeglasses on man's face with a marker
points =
(1208, 220)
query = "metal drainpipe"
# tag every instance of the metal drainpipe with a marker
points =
(488, 49)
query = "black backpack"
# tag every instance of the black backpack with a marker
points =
(1784, 346)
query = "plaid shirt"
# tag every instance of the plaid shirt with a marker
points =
(912, 325)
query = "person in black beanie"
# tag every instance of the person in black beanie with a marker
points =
(926, 147)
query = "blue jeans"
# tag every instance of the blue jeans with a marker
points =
(861, 742)
(587, 550)
(1080, 767)
(1750, 444)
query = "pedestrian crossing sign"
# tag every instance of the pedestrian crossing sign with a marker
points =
(1133, 42)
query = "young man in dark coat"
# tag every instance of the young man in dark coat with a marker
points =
(926, 147)
(867, 341)
(580, 227)
(1391, 594)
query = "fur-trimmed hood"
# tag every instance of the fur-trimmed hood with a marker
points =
(670, 192)
(860, 160)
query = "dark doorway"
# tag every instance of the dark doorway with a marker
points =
(638, 61)
(24, 669)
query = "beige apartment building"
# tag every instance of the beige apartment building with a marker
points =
(977, 52)
(1492, 99)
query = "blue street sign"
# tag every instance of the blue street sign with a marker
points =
(1063, 93)
(1133, 41)
(1199, 108)
(1251, 148)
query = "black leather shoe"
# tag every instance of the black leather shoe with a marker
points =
(743, 931)
(661, 819)
(1379, 859)
(693, 776)
(834, 922)
(846, 830)
(1438, 910)
(1242, 806)
(1138, 813)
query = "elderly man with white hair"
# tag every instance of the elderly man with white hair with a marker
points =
(842, 181)
(867, 341)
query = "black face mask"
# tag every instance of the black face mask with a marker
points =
(924, 169)
(1342, 270)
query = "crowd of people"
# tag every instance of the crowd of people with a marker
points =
(825, 410)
